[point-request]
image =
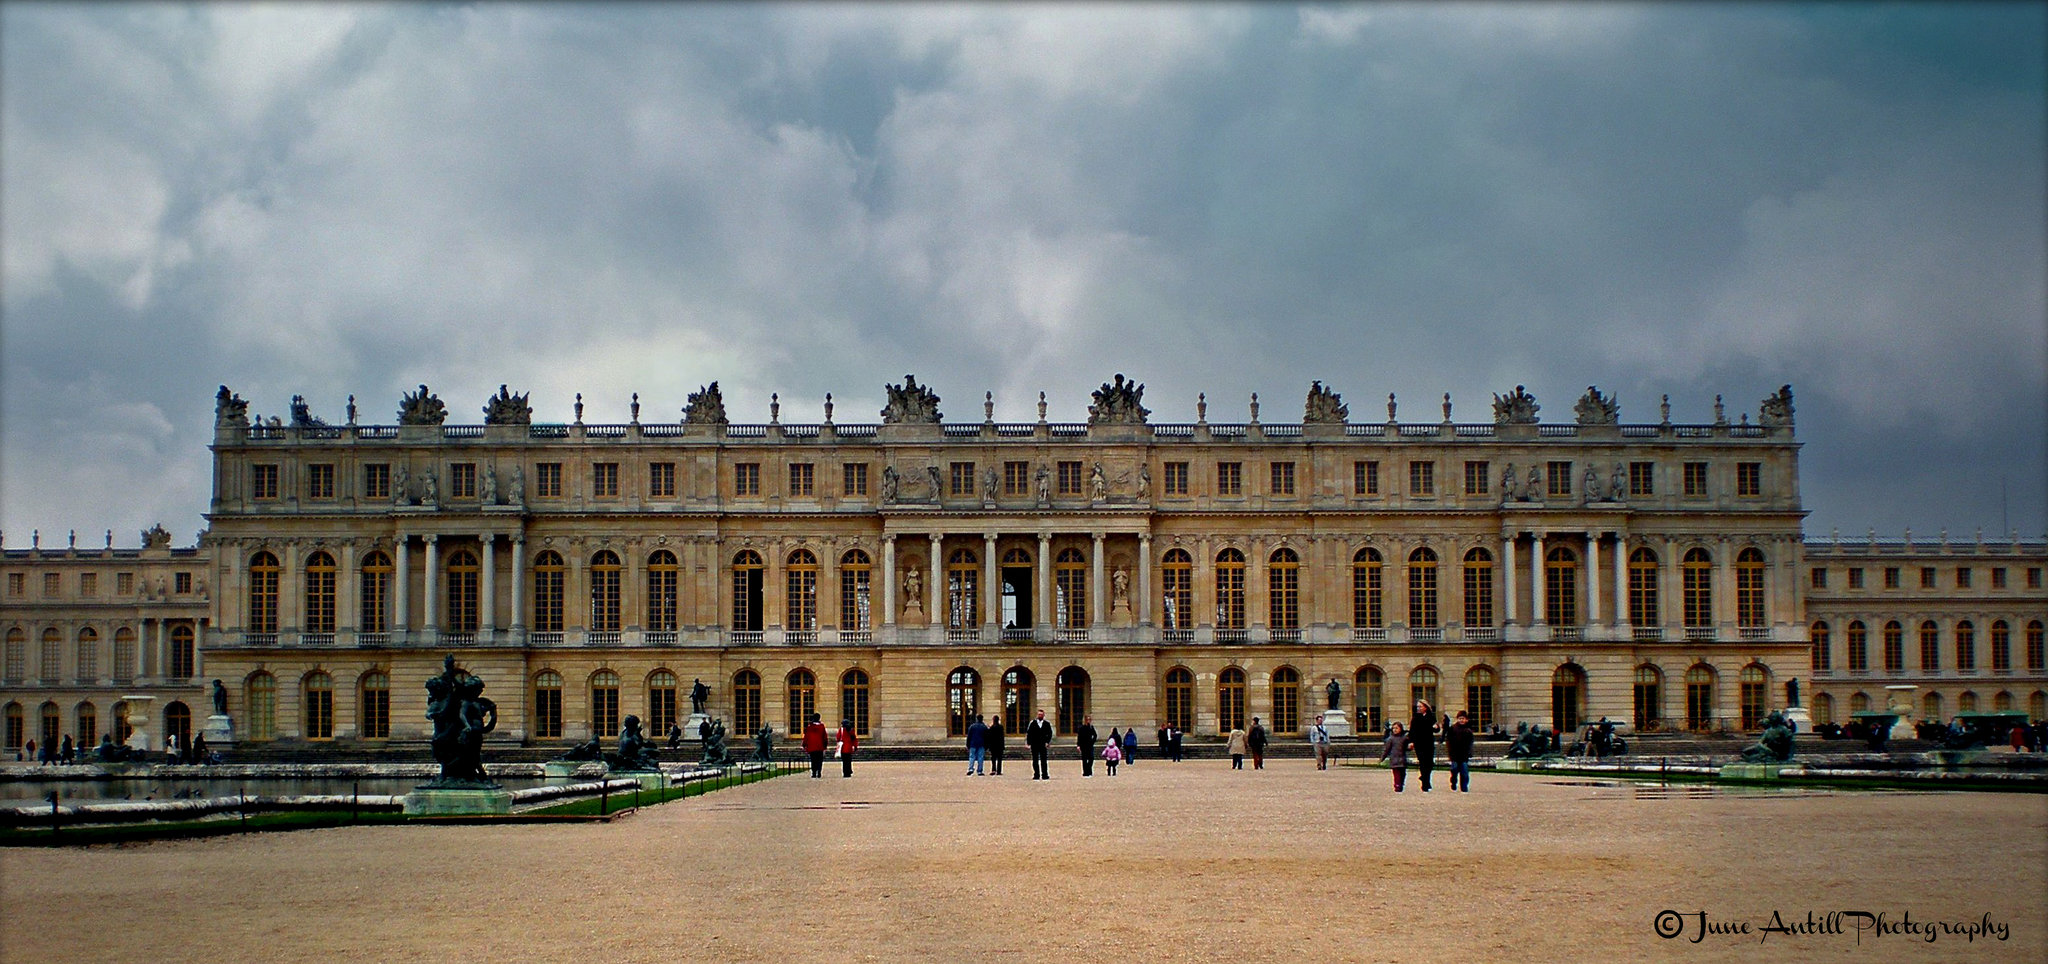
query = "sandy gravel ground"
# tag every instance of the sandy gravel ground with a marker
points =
(916, 862)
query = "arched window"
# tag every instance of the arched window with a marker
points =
(52, 655)
(2037, 653)
(263, 593)
(1365, 699)
(1749, 589)
(853, 699)
(1824, 708)
(261, 698)
(963, 700)
(1367, 573)
(1283, 599)
(374, 590)
(963, 590)
(605, 574)
(1753, 695)
(1699, 697)
(177, 722)
(803, 698)
(662, 598)
(1230, 700)
(1697, 574)
(2001, 647)
(16, 668)
(661, 704)
(1018, 704)
(1070, 588)
(88, 661)
(1479, 683)
(464, 581)
(1422, 590)
(1642, 588)
(801, 586)
(746, 702)
(549, 577)
(121, 726)
(374, 717)
(1286, 700)
(1230, 591)
(1649, 693)
(1823, 655)
(2037, 705)
(1966, 647)
(1930, 707)
(53, 727)
(87, 717)
(2001, 702)
(856, 576)
(1859, 702)
(1180, 699)
(1967, 702)
(1478, 589)
(547, 705)
(319, 593)
(1858, 645)
(183, 650)
(1568, 698)
(17, 727)
(604, 703)
(747, 572)
(1561, 586)
(1070, 695)
(1015, 585)
(1422, 685)
(1894, 647)
(1930, 647)
(1177, 591)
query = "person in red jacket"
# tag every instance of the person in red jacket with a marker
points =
(814, 744)
(847, 744)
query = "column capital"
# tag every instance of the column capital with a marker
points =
(889, 538)
(431, 538)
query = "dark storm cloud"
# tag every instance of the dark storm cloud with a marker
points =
(1692, 200)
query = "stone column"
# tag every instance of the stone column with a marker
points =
(936, 597)
(1144, 579)
(347, 611)
(1724, 589)
(401, 583)
(1538, 605)
(1507, 571)
(991, 589)
(1044, 601)
(1095, 568)
(429, 618)
(1670, 595)
(888, 606)
(1621, 582)
(146, 655)
(518, 584)
(1593, 578)
(487, 592)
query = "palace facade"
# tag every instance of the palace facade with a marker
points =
(911, 574)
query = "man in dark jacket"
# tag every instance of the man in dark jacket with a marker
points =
(1038, 735)
(977, 746)
(994, 739)
(1256, 742)
(1422, 740)
(1084, 738)
(1458, 747)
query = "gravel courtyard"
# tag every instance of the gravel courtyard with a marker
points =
(1164, 862)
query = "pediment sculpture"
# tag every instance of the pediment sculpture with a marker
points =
(1776, 409)
(421, 408)
(911, 404)
(1595, 408)
(506, 408)
(1325, 407)
(1118, 403)
(1515, 408)
(230, 409)
(706, 407)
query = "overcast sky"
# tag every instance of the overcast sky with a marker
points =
(1687, 199)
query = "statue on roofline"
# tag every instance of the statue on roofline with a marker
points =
(230, 409)
(1324, 407)
(421, 408)
(506, 408)
(1515, 408)
(706, 407)
(911, 404)
(1776, 410)
(1595, 408)
(1119, 403)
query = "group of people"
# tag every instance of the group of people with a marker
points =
(65, 752)
(843, 743)
(1418, 740)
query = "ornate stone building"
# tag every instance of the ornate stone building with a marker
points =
(909, 574)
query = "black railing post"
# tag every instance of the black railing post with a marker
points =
(604, 795)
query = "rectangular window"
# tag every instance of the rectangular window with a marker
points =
(802, 481)
(2034, 577)
(854, 480)
(1230, 478)
(53, 585)
(1421, 478)
(1856, 577)
(1962, 577)
(547, 480)
(1016, 478)
(1891, 577)
(1695, 480)
(1283, 478)
(1477, 475)
(1559, 479)
(1642, 479)
(1820, 577)
(320, 480)
(1176, 478)
(182, 583)
(462, 480)
(88, 584)
(1365, 478)
(604, 480)
(263, 481)
(960, 479)
(1927, 577)
(377, 481)
(746, 479)
(1998, 577)
(661, 480)
(17, 584)
(124, 584)
(1749, 479)
(1069, 478)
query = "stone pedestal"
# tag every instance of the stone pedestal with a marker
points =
(218, 730)
(1801, 721)
(431, 802)
(1337, 722)
(690, 726)
(649, 780)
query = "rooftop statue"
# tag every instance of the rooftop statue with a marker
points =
(302, 414)
(1325, 407)
(1515, 408)
(707, 406)
(1776, 409)
(506, 408)
(156, 537)
(421, 408)
(911, 403)
(1119, 403)
(1597, 409)
(229, 409)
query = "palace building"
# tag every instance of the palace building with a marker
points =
(910, 574)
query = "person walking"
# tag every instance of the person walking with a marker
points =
(1319, 738)
(994, 741)
(1038, 736)
(1395, 752)
(1236, 748)
(1084, 740)
(68, 752)
(1458, 749)
(1256, 742)
(1130, 746)
(814, 744)
(977, 746)
(847, 744)
(1112, 754)
(1422, 740)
